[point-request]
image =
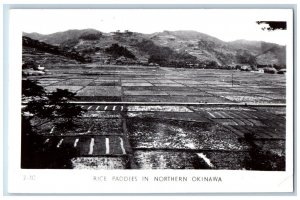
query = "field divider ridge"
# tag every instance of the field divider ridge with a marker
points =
(176, 104)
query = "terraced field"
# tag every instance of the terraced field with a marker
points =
(196, 119)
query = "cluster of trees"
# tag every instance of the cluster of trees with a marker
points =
(126, 33)
(46, 107)
(50, 106)
(30, 64)
(117, 51)
(91, 36)
(70, 43)
(277, 67)
(244, 57)
(164, 56)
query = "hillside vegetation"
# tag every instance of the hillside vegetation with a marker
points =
(167, 48)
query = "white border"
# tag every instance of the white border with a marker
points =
(81, 181)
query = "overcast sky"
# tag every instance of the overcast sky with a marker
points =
(227, 25)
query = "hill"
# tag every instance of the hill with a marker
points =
(265, 53)
(42, 53)
(61, 37)
(167, 48)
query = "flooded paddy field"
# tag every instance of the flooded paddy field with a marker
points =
(119, 130)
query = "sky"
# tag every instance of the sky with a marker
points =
(225, 24)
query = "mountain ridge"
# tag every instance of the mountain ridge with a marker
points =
(176, 47)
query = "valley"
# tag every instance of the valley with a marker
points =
(168, 100)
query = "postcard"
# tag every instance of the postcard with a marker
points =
(150, 101)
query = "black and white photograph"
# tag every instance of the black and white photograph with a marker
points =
(190, 90)
(173, 99)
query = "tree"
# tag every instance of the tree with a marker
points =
(49, 105)
(46, 107)
(30, 88)
(64, 110)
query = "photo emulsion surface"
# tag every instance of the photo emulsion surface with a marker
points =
(155, 91)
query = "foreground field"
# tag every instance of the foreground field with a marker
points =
(250, 135)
